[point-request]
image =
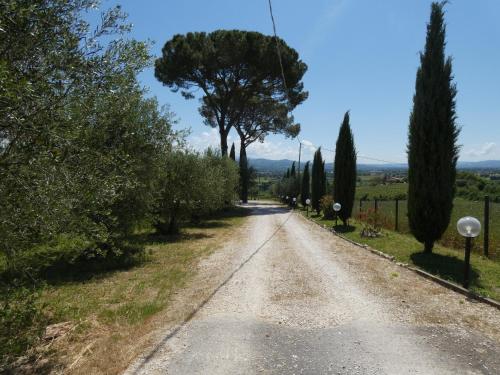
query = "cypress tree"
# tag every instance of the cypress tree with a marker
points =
(287, 175)
(432, 148)
(292, 171)
(317, 181)
(323, 180)
(344, 178)
(305, 186)
(232, 154)
(244, 175)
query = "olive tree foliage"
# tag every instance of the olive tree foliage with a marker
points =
(289, 185)
(80, 146)
(240, 77)
(194, 185)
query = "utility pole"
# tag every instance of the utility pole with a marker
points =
(300, 151)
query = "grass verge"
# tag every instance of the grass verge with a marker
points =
(105, 316)
(443, 262)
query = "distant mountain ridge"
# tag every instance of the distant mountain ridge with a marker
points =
(275, 166)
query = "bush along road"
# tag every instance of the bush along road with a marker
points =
(291, 298)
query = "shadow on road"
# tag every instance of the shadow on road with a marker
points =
(265, 208)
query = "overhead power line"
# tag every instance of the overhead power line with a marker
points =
(375, 159)
(277, 46)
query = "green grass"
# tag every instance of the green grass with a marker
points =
(389, 191)
(451, 238)
(444, 262)
(128, 297)
(114, 307)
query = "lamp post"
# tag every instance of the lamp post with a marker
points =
(308, 202)
(287, 200)
(469, 227)
(336, 208)
(294, 202)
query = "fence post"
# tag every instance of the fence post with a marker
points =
(360, 205)
(396, 225)
(486, 243)
(375, 202)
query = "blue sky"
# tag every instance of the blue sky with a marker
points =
(362, 56)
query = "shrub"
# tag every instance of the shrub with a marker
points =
(21, 323)
(373, 222)
(326, 204)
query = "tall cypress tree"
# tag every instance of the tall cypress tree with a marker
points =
(317, 181)
(305, 186)
(323, 180)
(432, 147)
(344, 177)
(244, 175)
(292, 171)
(232, 154)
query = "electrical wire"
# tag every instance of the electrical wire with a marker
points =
(277, 46)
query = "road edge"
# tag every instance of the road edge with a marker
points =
(447, 284)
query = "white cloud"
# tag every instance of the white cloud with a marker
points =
(210, 138)
(487, 148)
(274, 149)
(308, 146)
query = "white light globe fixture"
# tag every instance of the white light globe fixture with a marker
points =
(308, 201)
(469, 226)
(337, 207)
(294, 199)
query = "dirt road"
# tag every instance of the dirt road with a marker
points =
(303, 301)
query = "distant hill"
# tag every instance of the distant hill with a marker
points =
(280, 166)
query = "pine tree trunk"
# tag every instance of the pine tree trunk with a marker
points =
(223, 142)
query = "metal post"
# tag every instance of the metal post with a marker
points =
(360, 205)
(468, 242)
(396, 225)
(300, 152)
(375, 202)
(486, 243)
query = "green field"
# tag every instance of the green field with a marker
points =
(451, 238)
(389, 191)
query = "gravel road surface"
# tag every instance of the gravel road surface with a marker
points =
(303, 301)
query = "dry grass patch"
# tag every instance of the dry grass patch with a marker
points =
(113, 314)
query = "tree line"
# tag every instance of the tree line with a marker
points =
(315, 187)
(432, 149)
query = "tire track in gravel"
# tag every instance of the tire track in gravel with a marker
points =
(310, 303)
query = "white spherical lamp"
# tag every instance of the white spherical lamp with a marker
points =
(469, 226)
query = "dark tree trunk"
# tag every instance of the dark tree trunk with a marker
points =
(173, 228)
(223, 142)
(428, 246)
